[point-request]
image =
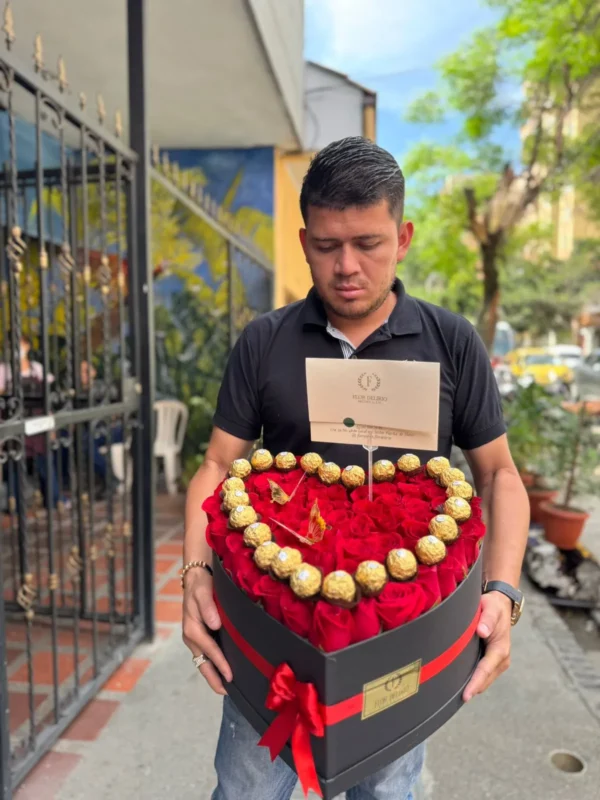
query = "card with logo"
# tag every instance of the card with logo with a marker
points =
(382, 403)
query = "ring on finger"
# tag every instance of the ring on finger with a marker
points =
(198, 661)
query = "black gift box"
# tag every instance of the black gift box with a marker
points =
(400, 686)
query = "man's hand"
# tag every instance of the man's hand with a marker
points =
(494, 626)
(200, 612)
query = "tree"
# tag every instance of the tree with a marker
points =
(537, 69)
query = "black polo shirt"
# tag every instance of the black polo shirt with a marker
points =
(264, 387)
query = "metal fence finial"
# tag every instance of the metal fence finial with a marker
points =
(82, 101)
(62, 74)
(9, 25)
(155, 152)
(101, 109)
(38, 53)
(118, 125)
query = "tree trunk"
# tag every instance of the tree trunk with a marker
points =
(488, 316)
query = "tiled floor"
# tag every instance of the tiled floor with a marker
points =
(45, 780)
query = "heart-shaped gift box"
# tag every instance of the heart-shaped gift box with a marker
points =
(349, 611)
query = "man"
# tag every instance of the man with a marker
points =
(352, 204)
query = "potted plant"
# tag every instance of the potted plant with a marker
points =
(574, 469)
(529, 422)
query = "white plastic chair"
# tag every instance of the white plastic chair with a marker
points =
(171, 423)
(122, 465)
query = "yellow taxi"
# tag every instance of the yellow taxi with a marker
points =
(540, 366)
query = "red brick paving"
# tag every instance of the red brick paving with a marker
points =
(169, 549)
(163, 565)
(45, 781)
(89, 724)
(18, 707)
(126, 677)
(168, 611)
(43, 670)
(172, 587)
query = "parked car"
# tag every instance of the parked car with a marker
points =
(586, 378)
(569, 354)
(543, 368)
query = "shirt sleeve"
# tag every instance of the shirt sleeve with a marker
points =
(238, 408)
(478, 417)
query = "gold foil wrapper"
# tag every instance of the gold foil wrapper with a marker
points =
(383, 470)
(261, 460)
(265, 554)
(401, 564)
(444, 527)
(371, 576)
(310, 463)
(458, 508)
(430, 550)
(286, 562)
(451, 474)
(232, 485)
(285, 461)
(306, 581)
(236, 498)
(329, 473)
(437, 465)
(240, 468)
(256, 534)
(353, 476)
(409, 462)
(242, 516)
(339, 586)
(460, 489)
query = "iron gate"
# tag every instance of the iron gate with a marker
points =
(76, 532)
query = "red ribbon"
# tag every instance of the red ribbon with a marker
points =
(299, 717)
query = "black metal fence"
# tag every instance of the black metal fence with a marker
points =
(72, 490)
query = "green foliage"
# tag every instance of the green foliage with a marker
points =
(573, 468)
(530, 420)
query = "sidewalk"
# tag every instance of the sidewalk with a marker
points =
(152, 731)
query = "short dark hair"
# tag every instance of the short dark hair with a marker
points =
(353, 172)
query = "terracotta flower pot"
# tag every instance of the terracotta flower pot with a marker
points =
(536, 498)
(528, 479)
(562, 526)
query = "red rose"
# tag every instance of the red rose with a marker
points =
(217, 532)
(409, 490)
(359, 525)
(246, 574)
(432, 493)
(456, 560)
(473, 529)
(429, 580)
(234, 545)
(447, 579)
(333, 627)
(476, 507)
(416, 508)
(212, 506)
(321, 557)
(412, 530)
(297, 614)
(366, 621)
(350, 552)
(399, 603)
(391, 500)
(270, 592)
(420, 477)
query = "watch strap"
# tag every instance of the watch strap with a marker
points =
(505, 588)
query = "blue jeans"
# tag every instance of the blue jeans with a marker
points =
(246, 772)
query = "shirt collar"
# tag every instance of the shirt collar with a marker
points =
(405, 318)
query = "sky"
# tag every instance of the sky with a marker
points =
(392, 47)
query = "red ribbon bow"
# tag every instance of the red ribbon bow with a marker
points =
(299, 716)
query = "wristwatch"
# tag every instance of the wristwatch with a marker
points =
(513, 594)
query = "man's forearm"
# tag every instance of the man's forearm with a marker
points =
(203, 484)
(506, 511)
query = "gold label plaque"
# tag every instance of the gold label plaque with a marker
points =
(391, 689)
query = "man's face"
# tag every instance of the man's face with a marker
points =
(352, 255)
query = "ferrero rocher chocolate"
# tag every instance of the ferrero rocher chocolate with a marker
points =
(339, 586)
(383, 470)
(236, 498)
(430, 550)
(256, 534)
(409, 462)
(329, 472)
(261, 460)
(460, 489)
(306, 581)
(232, 485)
(353, 476)
(265, 553)
(310, 463)
(458, 508)
(402, 564)
(242, 516)
(371, 576)
(285, 461)
(435, 466)
(286, 561)
(451, 474)
(444, 527)
(240, 468)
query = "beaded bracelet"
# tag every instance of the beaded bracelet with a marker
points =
(193, 564)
